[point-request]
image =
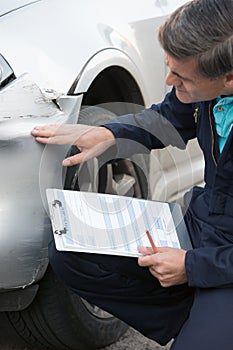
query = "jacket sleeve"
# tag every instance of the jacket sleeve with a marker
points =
(210, 267)
(168, 123)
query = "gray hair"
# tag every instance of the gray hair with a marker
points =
(201, 29)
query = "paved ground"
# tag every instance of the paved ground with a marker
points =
(132, 340)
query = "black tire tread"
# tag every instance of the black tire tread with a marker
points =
(45, 326)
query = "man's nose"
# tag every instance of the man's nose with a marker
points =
(172, 79)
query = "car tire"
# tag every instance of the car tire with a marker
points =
(58, 318)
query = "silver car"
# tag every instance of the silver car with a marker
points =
(72, 62)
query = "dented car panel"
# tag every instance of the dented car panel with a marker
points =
(24, 226)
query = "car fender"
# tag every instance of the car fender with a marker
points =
(102, 60)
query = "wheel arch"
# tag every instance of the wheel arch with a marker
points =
(110, 76)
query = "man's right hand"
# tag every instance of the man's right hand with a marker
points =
(90, 140)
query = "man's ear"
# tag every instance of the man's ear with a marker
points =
(228, 82)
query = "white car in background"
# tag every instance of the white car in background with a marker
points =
(56, 58)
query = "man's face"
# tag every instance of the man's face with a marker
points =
(191, 87)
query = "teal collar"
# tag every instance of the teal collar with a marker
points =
(223, 115)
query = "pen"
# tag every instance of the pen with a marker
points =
(151, 242)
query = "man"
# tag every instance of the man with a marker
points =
(185, 295)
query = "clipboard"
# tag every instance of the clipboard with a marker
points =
(111, 224)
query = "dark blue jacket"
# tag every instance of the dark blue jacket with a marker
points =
(210, 214)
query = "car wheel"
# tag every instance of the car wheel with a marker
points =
(128, 177)
(58, 318)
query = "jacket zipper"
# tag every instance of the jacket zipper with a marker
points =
(212, 133)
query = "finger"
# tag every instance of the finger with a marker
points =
(77, 158)
(145, 250)
(61, 129)
(45, 131)
(60, 134)
(55, 137)
(164, 280)
(146, 260)
(43, 140)
(60, 140)
(153, 270)
(74, 160)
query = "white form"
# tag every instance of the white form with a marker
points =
(109, 224)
